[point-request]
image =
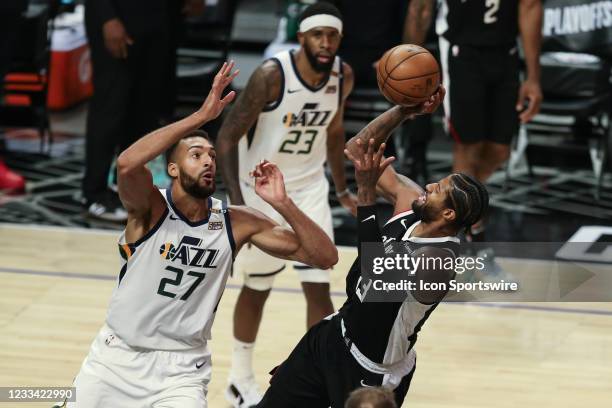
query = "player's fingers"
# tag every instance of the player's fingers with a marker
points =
(369, 157)
(356, 161)
(385, 164)
(442, 93)
(228, 98)
(229, 68)
(529, 112)
(222, 69)
(379, 154)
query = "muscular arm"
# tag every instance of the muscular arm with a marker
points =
(399, 190)
(304, 242)
(335, 135)
(417, 22)
(139, 196)
(263, 87)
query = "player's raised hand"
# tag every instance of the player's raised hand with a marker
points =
(369, 163)
(269, 182)
(215, 102)
(427, 107)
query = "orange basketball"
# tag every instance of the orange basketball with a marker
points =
(408, 75)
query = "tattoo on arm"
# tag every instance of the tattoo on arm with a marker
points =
(258, 92)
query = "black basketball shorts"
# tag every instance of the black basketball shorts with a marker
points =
(482, 89)
(321, 372)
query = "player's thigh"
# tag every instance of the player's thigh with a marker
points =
(188, 396)
(466, 95)
(503, 120)
(101, 383)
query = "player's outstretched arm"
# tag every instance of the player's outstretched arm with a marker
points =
(304, 242)
(136, 189)
(263, 86)
(399, 190)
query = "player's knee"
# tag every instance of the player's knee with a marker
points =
(497, 153)
(311, 275)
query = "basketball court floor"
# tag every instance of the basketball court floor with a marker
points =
(57, 282)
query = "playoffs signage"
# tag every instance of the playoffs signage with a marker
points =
(578, 26)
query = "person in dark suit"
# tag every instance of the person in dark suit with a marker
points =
(128, 41)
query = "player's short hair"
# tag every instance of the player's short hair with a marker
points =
(469, 198)
(196, 133)
(371, 397)
(321, 7)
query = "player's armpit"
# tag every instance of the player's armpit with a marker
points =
(398, 189)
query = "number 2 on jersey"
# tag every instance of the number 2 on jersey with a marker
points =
(492, 8)
(177, 281)
(290, 145)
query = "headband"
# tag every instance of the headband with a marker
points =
(321, 20)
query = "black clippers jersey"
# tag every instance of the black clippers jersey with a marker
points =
(382, 331)
(484, 23)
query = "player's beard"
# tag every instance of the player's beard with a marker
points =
(423, 211)
(192, 186)
(315, 64)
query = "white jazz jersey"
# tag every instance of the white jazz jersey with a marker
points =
(292, 131)
(172, 279)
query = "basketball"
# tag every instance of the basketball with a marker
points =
(407, 75)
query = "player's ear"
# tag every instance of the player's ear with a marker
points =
(300, 38)
(172, 170)
(449, 215)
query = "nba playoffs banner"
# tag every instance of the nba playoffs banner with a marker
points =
(557, 272)
(578, 26)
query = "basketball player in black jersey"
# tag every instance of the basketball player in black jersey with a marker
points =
(368, 343)
(480, 65)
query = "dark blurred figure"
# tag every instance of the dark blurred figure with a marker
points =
(370, 30)
(177, 11)
(10, 19)
(485, 97)
(129, 43)
(371, 397)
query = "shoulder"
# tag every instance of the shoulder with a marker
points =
(270, 75)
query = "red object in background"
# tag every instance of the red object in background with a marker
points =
(9, 180)
(70, 80)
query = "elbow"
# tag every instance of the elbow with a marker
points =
(330, 259)
(123, 165)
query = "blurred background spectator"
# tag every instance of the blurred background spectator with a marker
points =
(129, 53)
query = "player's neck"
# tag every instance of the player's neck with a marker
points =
(434, 229)
(307, 72)
(194, 209)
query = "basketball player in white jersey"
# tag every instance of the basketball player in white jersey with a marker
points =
(177, 251)
(290, 113)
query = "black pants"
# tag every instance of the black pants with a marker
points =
(321, 372)
(126, 102)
